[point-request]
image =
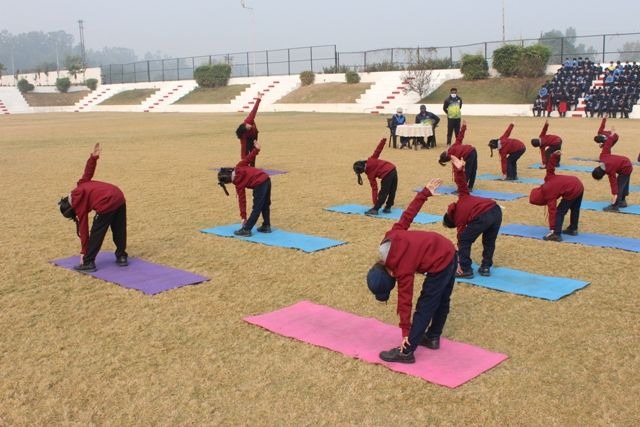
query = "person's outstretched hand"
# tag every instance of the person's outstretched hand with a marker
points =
(96, 150)
(256, 144)
(433, 185)
(457, 163)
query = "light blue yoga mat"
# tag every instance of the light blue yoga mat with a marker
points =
(520, 180)
(277, 237)
(496, 195)
(522, 283)
(598, 206)
(587, 239)
(421, 218)
(587, 159)
(575, 168)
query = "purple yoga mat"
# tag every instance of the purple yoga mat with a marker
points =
(363, 338)
(269, 172)
(139, 274)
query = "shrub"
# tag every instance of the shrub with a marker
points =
(382, 66)
(506, 59)
(352, 77)
(474, 67)
(214, 75)
(92, 84)
(533, 61)
(335, 70)
(24, 86)
(307, 78)
(63, 84)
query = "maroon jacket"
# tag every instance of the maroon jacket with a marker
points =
(376, 168)
(250, 133)
(247, 177)
(414, 252)
(508, 146)
(614, 165)
(459, 149)
(548, 141)
(555, 187)
(90, 195)
(468, 207)
(612, 137)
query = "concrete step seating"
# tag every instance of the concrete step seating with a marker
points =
(12, 101)
(167, 94)
(95, 97)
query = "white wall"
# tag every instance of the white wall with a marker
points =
(50, 80)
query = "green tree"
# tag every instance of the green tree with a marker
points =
(474, 67)
(630, 52)
(506, 59)
(563, 45)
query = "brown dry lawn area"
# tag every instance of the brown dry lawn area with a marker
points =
(214, 95)
(80, 351)
(129, 97)
(326, 93)
(54, 99)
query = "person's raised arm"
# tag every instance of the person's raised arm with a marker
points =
(414, 207)
(459, 176)
(460, 136)
(246, 161)
(552, 163)
(543, 133)
(90, 166)
(507, 132)
(252, 115)
(379, 148)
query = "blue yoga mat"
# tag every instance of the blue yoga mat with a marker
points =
(285, 239)
(522, 283)
(588, 159)
(575, 168)
(521, 180)
(421, 218)
(587, 239)
(496, 195)
(597, 206)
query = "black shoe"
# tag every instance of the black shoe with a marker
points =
(264, 228)
(611, 208)
(465, 275)
(432, 343)
(553, 237)
(86, 267)
(371, 211)
(570, 231)
(242, 232)
(395, 355)
(622, 204)
(386, 210)
(484, 271)
(122, 261)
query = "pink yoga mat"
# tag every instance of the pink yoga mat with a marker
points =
(363, 338)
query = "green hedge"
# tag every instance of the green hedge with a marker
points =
(474, 67)
(214, 75)
(307, 78)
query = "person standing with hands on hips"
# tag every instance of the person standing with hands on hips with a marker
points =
(402, 254)
(452, 107)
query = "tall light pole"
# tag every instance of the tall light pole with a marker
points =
(503, 33)
(82, 51)
(252, 29)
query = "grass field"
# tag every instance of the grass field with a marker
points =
(326, 93)
(129, 97)
(505, 90)
(216, 95)
(54, 99)
(78, 351)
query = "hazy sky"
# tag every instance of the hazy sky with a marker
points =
(200, 27)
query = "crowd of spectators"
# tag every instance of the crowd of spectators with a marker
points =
(574, 80)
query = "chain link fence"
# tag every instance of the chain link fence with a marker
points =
(601, 48)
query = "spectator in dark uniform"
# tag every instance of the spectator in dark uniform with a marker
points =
(427, 118)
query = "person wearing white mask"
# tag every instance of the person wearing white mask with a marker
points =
(452, 107)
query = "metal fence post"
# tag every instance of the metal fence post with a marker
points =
(178, 68)
(148, 72)
(289, 62)
(266, 52)
(311, 56)
(486, 52)
(604, 49)
(561, 50)
(365, 61)
(163, 70)
(336, 61)
(451, 55)
(248, 65)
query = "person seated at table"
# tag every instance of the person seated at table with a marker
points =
(427, 118)
(397, 120)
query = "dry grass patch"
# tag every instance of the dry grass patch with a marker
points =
(504, 90)
(326, 93)
(54, 99)
(79, 351)
(129, 97)
(215, 95)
